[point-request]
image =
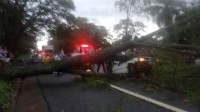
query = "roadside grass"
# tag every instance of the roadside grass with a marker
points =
(7, 89)
(184, 79)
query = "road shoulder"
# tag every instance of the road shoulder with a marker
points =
(30, 98)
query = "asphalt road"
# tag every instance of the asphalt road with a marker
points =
(65, 94)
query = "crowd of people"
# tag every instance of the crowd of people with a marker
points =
(37, 58)
(60, 56)
(5, 56)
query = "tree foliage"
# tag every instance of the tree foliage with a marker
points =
(132, 29)
(187, 33)
(59, 35)
(23, 20)
(127, 26)
(129, 6)
(164, 12)
(80, 32)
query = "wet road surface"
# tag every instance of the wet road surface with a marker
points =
(65, 94)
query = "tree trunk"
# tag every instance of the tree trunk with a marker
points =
(14, 72)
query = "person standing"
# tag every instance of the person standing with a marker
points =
(57, 58)
(99, 64)
(61, 55)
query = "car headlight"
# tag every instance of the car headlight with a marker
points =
(88, 70)
(142, 59)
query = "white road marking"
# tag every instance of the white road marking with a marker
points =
(161, 104)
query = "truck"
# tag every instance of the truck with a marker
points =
(47, 50)
(82, 49)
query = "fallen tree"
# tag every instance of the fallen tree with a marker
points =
(65, 65)
(25, 71)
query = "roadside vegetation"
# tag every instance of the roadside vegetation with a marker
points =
(8, 90)
(178, 75)
(7, 93)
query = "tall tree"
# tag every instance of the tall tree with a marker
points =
(22, 19)
(60, 35)
(129, 7)
(97, 34)
(132, 28)
(163, 12)
(82, 31)
(188, 32)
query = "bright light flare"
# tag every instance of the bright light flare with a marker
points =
(88, 70)
(84, 45)
(142, 59)
(42, 53)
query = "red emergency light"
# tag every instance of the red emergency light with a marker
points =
(42, 53)
(84, 45)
